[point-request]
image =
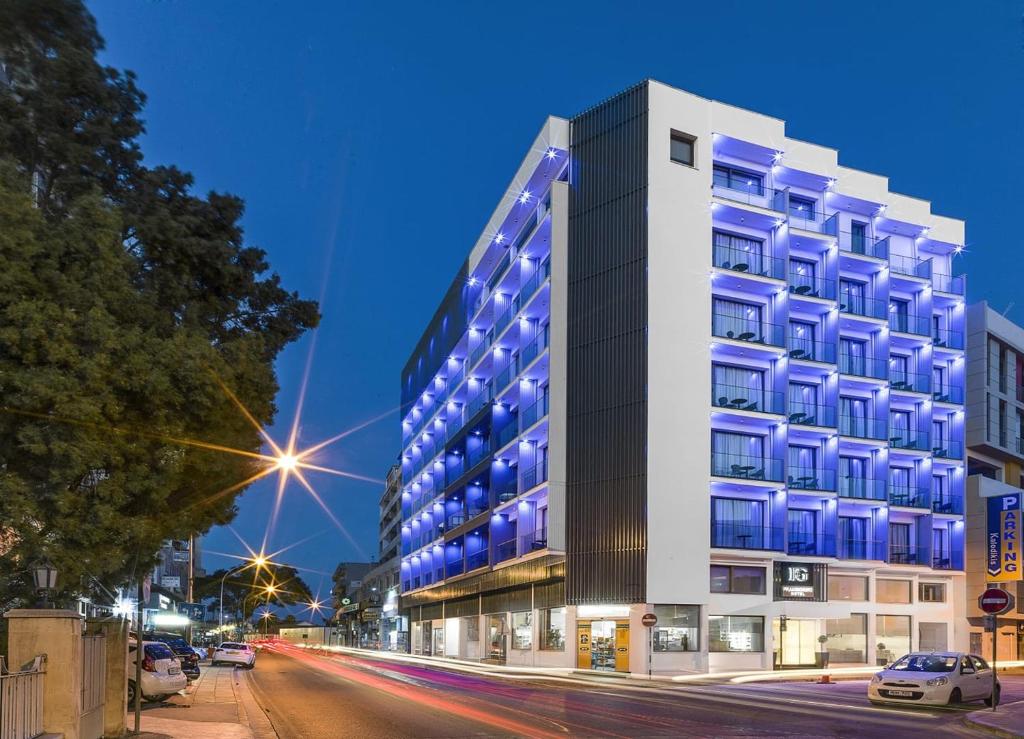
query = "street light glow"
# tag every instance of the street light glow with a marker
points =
(287, 462)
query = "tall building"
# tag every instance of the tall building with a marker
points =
(995, 459)
(696, 369)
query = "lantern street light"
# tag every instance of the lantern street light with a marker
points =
(45, 576)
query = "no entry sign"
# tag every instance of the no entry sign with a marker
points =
(995, 601)
(649, 619)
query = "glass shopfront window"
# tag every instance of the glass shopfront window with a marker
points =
(893, 634)
(735, 633)
(522, 630)
(678, 629)
(472, 626)
(438, 638)
(892, 591)
(847, 587)
(552, 629)
(736, 579)
(847, 638)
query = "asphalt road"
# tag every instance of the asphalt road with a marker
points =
(307, 696)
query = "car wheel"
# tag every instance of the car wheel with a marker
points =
(989, 701)
(131, 694)
(955, 697)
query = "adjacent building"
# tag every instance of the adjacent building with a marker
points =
(995, 459)
(697, 369)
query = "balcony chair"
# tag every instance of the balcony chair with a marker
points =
(798, 354)
(750, 407)
(940, 563)
(757, 475)
(723, 401)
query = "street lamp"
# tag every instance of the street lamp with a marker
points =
(258, 561)
(45, 576)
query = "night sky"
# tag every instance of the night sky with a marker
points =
(371, 141)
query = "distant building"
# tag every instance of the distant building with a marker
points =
(175, 567)
(995, 461)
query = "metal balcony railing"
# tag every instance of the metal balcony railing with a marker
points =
(814, 220)
(808, 414)
(947, 338)
(947, 449)
(533, 541)
(731, 535)
(949, 394)
(753, 194)
(533, 476)
(755, 332)
(954, 285)
(505, 550)
(809, 478)
(908, 323)
(863, 244)
(910, 266)
(947, 503)
(748, 262)
(859, 549)
(910, 497)
(909, 555)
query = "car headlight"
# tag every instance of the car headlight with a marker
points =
(877, 678)
(938, 681)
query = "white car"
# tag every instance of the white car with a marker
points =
(234, 653)
(161, 672)
(934, 679)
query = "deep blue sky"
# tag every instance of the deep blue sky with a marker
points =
(387, 133)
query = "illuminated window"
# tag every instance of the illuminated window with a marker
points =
(552, 629)
(677, 629)
(522, 630)
(735, 633)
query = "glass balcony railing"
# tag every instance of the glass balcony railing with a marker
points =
(480, 350)
(859, 549)
(944, 337)
(947, 449)
(506, 374)
(746, 467)
(944, 283)
(740, 329)
(506, 317)
(732, 535)
(863, 488)
(745, 398)
(949, 394)
(533, 541)
(808, 414)
(506, 434)
(859, 306)
(478, 453)
(811, 287)
(947, 503)
(811, 351)
(505, 550)
(863, 428)
(506, 491)
(532, 350)
(909, 324)
(811, 545)
(914, 382)
(754, 193)
(532, 285)
(748, 262)
(942, 561)
(907, 439)
(533, 476)
(482, 398)
(534, 412)
(855, 364)
(804, 478)
(476, 560)
(910, 266)
(910, 497)
(454, 520)
(909, 555)
(814, 220)
(863, 244)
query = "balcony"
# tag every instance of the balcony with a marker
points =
(533, 541)
(506, 491)
(859, 306)
(478, 454)
(820, 545)
(910, 497)
(863, 428)
(506, 317)
(944, 283)
(859, 549)
(946, 503)
(946, 338)
(910, 382)
(805, 478)
(532, 350)
(533, 476)
(746, 467)
(942, 561)
(909, 324)
(811, 351)
(814, 220)
(862, 244)
(532, 285)
(480, 350)
(476, 559)
(454, 520)
(808, 414)
(506, 375)
(909, 555)
(862, 488)
(505, 550)
(906, 439)
(748, 262)
(506, 435)
(854, 364)
(740, 398)
(482, 398)
(534, 412)
(949, 394)
(947, 449)
(811, 287)
(730, 535)
(739, 329)
(910, 266)
(750, 192)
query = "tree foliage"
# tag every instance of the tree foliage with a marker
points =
(245, 591)
(128, 305)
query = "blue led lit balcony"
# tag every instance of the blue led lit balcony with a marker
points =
(748, 261)
(751, 192)
(910, 497)
(811, 545)
(809, 414)
(505, 436)
(864, 245)
(954, 285)
(505, 550)
(809, 478)
(947, 449)
(911, 382)
(532, 350)
(943, 562)
(907, 439)
(534, 412)
(863, 428)
(479, 401)
(732, 535)
(476, 560)
(746, 398)
(910, 266)
(533, 476)
(752, 331)
(949, 394)
(813, 220)
(532, 285)
(909, 324)
(746, 467)
(506, 490)
(533, 541)
(811, 351)
(947, 503)
(506, 374)
(861, 366)
(856, 305)
(862, 488)
(805, 286)
(946, 338)
(909, 555)
(859, 549)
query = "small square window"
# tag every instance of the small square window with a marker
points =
(682, 148)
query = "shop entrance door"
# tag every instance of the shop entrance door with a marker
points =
(797, 644)
(497, 638)
(602, 645)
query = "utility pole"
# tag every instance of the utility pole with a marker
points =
(140, 652)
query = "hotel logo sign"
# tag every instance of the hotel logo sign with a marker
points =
(1003, 551)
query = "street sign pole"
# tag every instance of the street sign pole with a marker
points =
(650, 620)
(993, 602)
(995, 650)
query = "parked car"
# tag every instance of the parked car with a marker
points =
(161, 671)
(934, 678)
(235, 653)
(182, 650)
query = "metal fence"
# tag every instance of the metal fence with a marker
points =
(94, 681)
(21, 700)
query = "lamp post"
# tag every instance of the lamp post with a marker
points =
(258, 561)
(45, 576)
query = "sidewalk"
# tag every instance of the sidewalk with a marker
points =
(219, 705)
(1007, 720)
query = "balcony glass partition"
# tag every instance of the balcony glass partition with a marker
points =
(853, 540)
(740, 388)
(742, 456)
(910, 266)
(859, 242)
(739, 524)
(745, 186)
(731, 319)
(947, 284)
(944, 337)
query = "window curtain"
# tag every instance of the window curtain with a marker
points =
(854, 412)
(802, 459)
(802, 526)
(736, 449)
(738, 523)
(939, 380)
(852, 356)
(801, 336)
(803, 398)
(733, 251)
(939, 439)
(899, 538)
(853, 537)
(737, 382)
(732, 318)
(940, 545)
(899, 311)
(853, 476)
(899, 367)
(802, 274)
(899, 484)
(899, 425)
(851, 294)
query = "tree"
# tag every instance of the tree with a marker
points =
(246, 591)
(129, 309)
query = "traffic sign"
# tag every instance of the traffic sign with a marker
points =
(649, 619)
(995, 601)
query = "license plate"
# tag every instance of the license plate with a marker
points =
(173, 670)
(901, 693)
(232, 651)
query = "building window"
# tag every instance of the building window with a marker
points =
(738, 580)
(677, 629)
(931, 637)
(847, 637)
(932, 592)
(740, 253)
(975, 641)
(893, 634)
(892, 591)
(682, 148)
(743, 180)
(801, 207)
(847, 587)
(472, 626)
(522, 630)
(552, 629)
(735, 633)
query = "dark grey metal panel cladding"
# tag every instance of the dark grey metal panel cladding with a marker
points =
(606, 436)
